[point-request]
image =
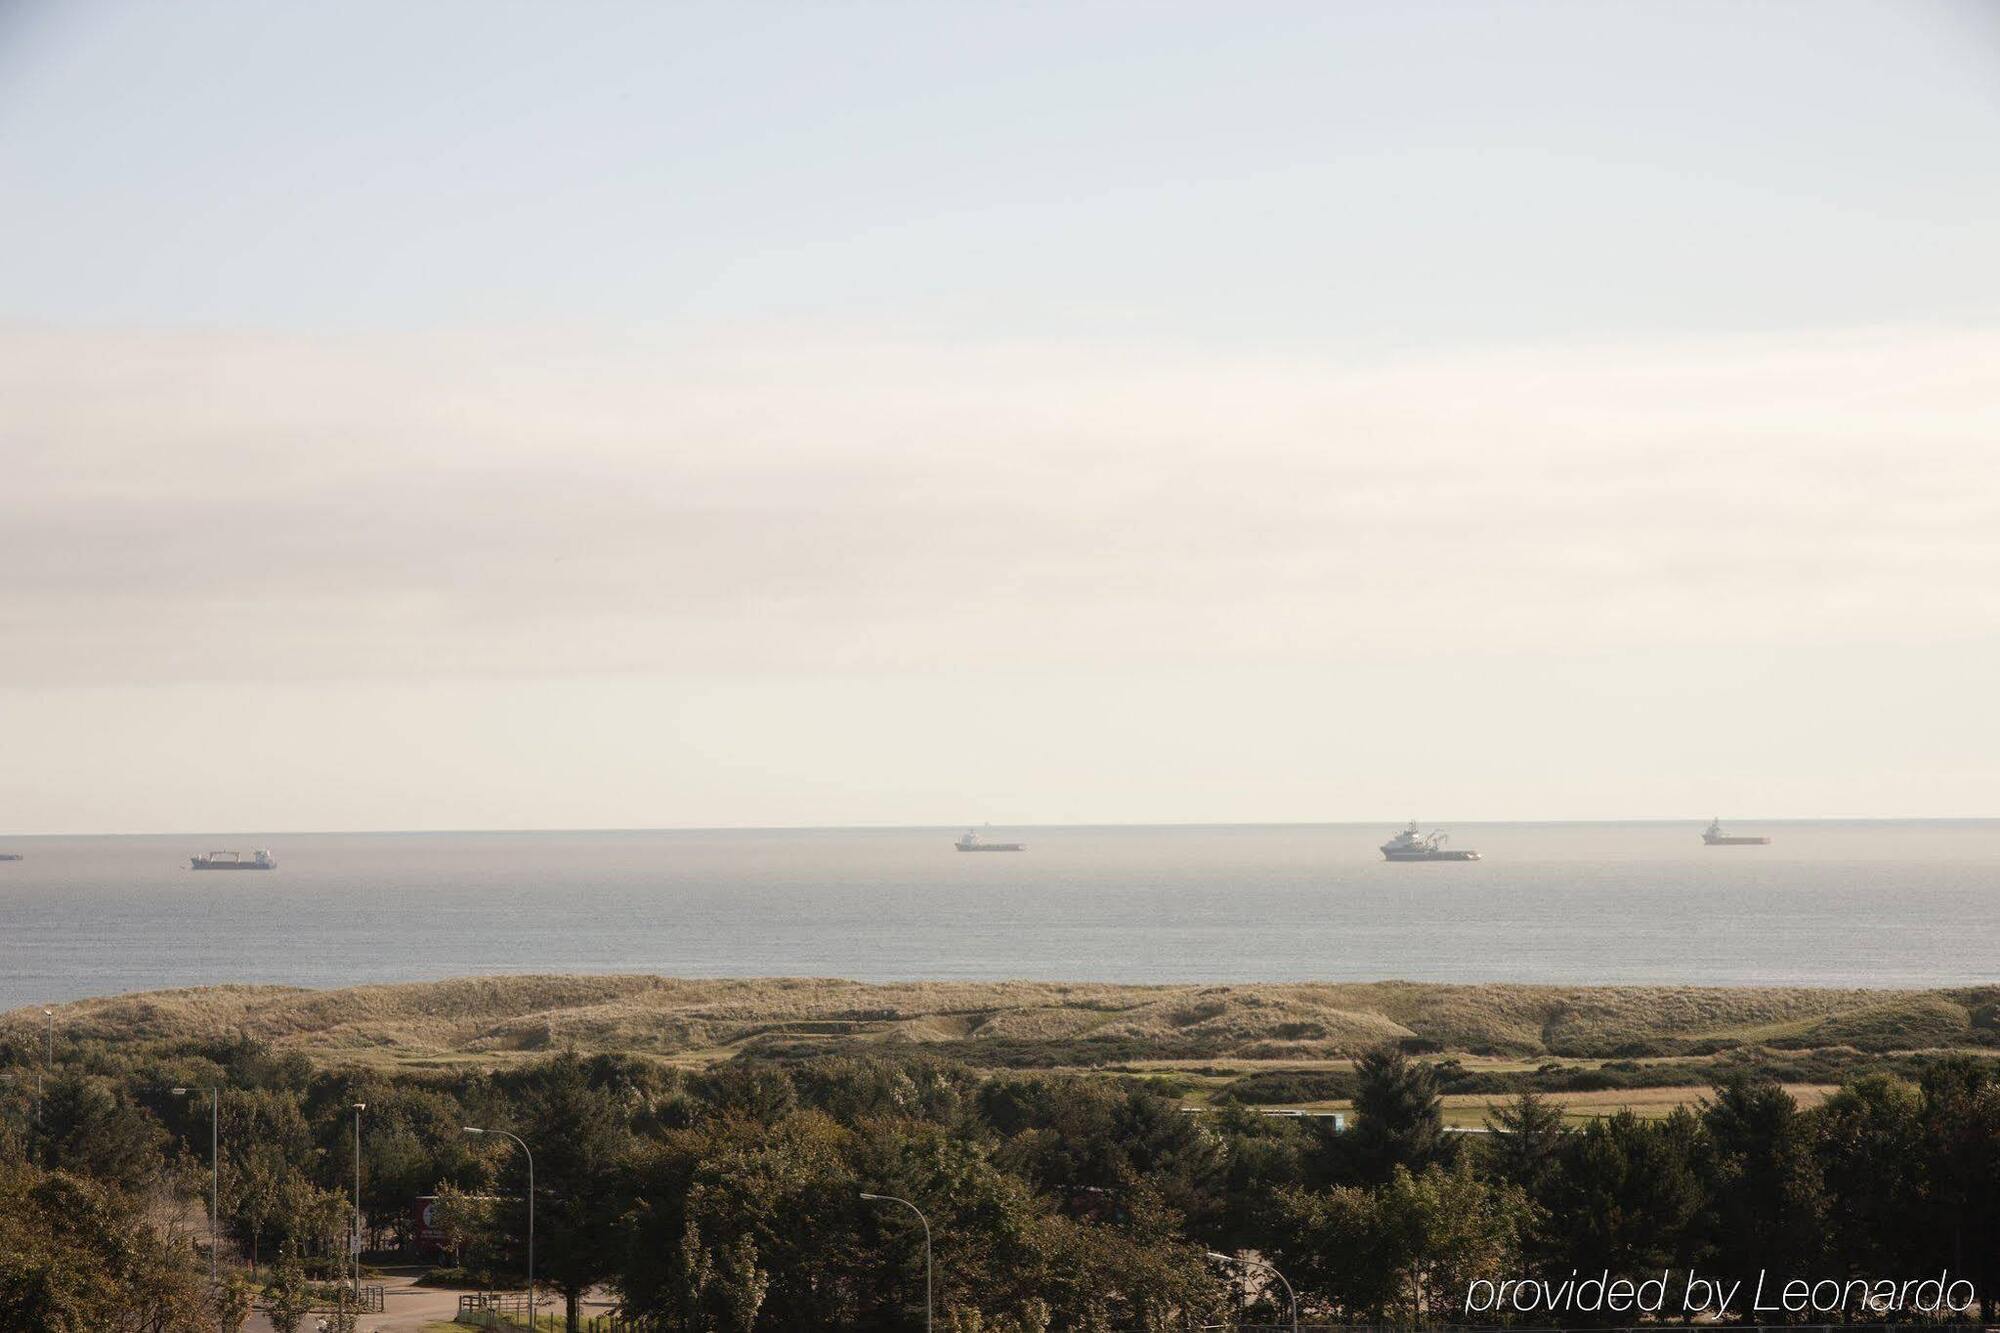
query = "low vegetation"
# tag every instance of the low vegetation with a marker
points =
(712, 1176)
(1023, 1024)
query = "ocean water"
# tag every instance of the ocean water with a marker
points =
(1846, 903)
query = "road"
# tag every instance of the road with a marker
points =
(408, 1308)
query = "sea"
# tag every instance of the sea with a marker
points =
(1829, 903)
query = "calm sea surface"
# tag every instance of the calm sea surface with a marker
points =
(1902, 903)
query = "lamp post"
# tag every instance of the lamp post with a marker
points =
(49, 1061)
(1290, 1295)
(890, 1198)
(359, 1107)
(214, 1170)
(471, 1129)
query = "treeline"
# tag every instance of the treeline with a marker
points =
(1454, 1078)
(730, 1199)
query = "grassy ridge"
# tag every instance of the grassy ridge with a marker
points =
(1032, 1023)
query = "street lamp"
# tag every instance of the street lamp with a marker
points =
(1290, 1295)
(471, 1129)
(359, 1107)
(890, 1198)
(214, 1169)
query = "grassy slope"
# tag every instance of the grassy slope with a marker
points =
(1027, 1023)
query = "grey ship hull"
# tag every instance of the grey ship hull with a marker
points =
(1431, 855)
(1734, 840)
(992, 847)
(202, 863)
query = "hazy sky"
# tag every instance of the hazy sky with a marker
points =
(508, 415)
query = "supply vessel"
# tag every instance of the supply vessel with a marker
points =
(257, 860)
(1412, 845)
(1715, 837)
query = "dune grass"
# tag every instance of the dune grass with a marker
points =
(1026, 1024)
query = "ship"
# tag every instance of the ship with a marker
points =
(972, 842)
(1412, 845)
(10, 856)
(257, 860)
(1715, 837)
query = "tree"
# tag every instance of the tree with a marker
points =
(1332, 1244)
(1961, 1169)
(268, 1158)
(231, 1301)
(1869, 1140)
(698, 1191)
(1767, 1207)
(723, 1289)
(580, 1137)
(288, 1298)
(1526, 1138)
(1072, 1135)
(1626, 1196)
(1399, 1118)
(466, 1222)
(77, 1256)
(1406, 1248)
(1446, 1227)
(1263, 1154)
(89, 1130)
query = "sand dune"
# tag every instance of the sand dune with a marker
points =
(671, 1016)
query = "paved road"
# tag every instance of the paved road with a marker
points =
(408, 1308)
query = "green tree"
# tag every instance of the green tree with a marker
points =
(288, 1297)
(1263, 1154)
(580, 1136)
(77, 1256)
(1332, 1244)
(1961, 1170)
(724, 1289)
(467, 1223)
(87, 1128)
(1626, 1196)
(1399, 1118)
(1071, 1135)
(1767, 1205)
(269, 1158)
(1525, 1142)
(1869, 1140)
(231, 1300)
(1405, 1249)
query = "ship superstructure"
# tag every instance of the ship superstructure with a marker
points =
(1412, 844)
(1715, 837)
(972, 842)
(257, 860)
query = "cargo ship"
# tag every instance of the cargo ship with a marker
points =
(972, 842)
(10, 856)
(257, 860)
(1715, 837)
(1412, 845)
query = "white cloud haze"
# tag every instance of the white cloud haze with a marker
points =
(188, 508)
(450, 416)
(796, 528)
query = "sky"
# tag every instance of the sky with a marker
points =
(485, 415)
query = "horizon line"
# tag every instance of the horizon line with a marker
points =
(1001, 824)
